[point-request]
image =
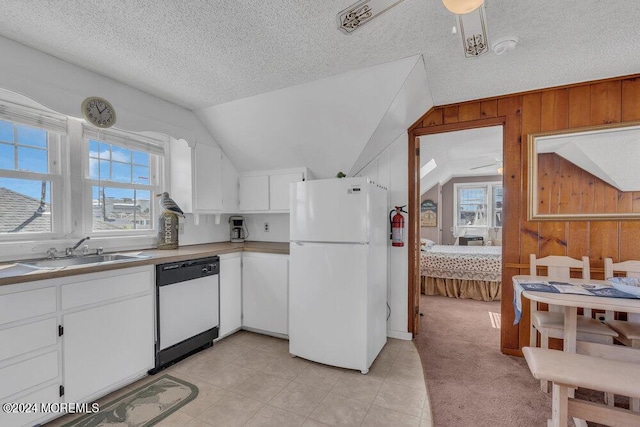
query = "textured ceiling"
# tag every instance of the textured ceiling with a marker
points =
(470, 152)
(200, 53)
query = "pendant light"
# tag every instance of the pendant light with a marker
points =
(460, 7)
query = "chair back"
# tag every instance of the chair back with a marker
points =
(631, 268)
(559, 267)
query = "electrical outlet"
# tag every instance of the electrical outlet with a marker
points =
(181, 228)
(266, 227)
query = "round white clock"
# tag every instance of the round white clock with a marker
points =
(99, 112)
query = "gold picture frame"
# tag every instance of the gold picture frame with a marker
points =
(596, 197)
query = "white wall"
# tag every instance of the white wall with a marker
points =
(278, 227)
(62, 87)
(389, 169)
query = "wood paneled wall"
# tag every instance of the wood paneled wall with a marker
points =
(564, 188)
(589, 104)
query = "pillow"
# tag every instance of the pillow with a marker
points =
(426, 244)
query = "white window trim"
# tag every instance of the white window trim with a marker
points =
(69, 222)
(56, 151)
(480, 229)
(128, 140)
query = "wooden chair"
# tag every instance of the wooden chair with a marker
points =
(550, 324)
(628, 332)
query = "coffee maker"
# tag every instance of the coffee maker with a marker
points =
(237, 229)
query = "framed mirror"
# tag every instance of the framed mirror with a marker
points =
(585, 174)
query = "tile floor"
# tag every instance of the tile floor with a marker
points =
(248, 379)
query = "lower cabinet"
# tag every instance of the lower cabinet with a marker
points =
(265, 293)
(30, 368)
(108, 334)
(87, 335)
(106, 345)
(230, 293)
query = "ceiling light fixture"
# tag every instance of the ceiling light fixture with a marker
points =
(504, 45)
(474, 33)
(460, 7)
(361, 12)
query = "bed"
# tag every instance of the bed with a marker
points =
(473, 272)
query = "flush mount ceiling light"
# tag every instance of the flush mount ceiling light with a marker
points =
(504, 45)
(358, 14)
(460, 7)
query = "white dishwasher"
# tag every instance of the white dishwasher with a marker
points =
(187, 308)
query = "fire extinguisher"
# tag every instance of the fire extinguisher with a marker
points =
(397, 226)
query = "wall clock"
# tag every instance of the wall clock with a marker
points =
(99, 112)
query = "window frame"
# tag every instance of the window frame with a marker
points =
(489, 187)
(156, 169)
(57, 142)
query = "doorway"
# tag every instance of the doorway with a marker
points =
(449, 133)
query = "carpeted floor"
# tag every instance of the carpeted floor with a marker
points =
(469, 381)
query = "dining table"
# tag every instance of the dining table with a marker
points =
(570, 294)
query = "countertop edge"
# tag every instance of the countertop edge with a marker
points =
(156, 256)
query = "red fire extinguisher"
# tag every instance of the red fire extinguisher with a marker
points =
(397, 226)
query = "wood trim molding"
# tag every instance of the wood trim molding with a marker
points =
(413, 238)
(533, 91)
(451, 127)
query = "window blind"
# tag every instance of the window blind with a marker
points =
(125, 139)
(32, 117)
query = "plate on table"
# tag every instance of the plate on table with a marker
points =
(630, 285)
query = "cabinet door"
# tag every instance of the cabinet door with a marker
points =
(181, 172)
(265, 300)
(230, 294)
(229, 186)
(254, 192)
(105, 345)
(47, 394)
(279, 189)
(208, 178)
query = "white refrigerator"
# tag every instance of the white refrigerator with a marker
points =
(338, 272)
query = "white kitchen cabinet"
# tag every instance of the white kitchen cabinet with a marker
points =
(253, 193)
(279, 189)
(265, 293)
(208, 179)
(268, 191)
(197, 178)
(229, 186)
(30, 366)
(230, 293)
(108, 337)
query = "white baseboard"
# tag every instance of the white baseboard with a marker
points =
(400, 335)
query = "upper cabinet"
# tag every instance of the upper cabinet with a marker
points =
(268, 191)
(203, 180)
(207, 179)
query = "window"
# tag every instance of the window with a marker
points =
(122, 179)
(60, 177)
(30, 172)
(478, 206)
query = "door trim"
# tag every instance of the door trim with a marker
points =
(413, 194)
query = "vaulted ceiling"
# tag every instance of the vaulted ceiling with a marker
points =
(207, 55)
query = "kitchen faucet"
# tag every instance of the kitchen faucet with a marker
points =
(70, 251)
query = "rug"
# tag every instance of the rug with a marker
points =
(143, 407)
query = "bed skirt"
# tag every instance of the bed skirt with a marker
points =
(479, 290)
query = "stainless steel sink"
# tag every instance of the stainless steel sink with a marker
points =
(80, 260)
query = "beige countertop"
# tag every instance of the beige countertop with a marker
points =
(12, 273)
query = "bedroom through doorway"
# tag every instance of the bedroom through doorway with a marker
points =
(461, 199)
